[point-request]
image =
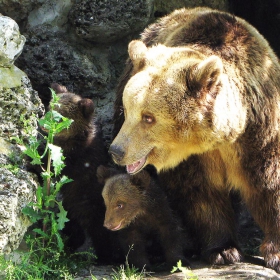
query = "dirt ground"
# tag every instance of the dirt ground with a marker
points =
(249, 236)
(199, 271)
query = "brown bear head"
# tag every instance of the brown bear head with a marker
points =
(168, 104)
(75, 107)
(124, 196)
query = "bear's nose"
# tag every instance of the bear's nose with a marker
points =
(107, 225)
(116, 152)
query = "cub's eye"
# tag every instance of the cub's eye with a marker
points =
(120, 206)
(148, 119)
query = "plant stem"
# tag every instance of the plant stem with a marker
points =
(48, 183)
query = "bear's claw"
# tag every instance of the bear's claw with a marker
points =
(227, 256)
(273, 261)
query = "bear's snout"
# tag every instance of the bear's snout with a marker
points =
(112, 225)
(116, 152)
(107, 225)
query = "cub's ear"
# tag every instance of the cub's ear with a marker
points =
(142, 179)
(103, 173)
(206, 74)
(137, 50)
(86, 106)
(58, 88)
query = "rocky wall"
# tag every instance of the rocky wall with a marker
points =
(20, 107)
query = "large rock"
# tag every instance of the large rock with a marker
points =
(51, 57)
(105, 21)
(19, 110)
(17, 9)
(11, 41)
(17, 188)
(51, 12)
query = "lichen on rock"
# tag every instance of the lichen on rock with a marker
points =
(16, 190)
(20, 107)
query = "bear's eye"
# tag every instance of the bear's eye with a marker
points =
(119, 205)
(148, 119)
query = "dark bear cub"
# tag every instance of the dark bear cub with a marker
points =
(138, 208)
(84, 150)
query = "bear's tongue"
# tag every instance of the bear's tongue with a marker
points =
(117, 227)
(136, 166)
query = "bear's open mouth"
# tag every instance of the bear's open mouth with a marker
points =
(117, 227)
(136, 166)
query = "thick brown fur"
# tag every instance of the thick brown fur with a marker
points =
(201, 104)
(138, 209)
(84, 150)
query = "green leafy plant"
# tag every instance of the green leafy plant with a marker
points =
(42, 211)
(46, 257)
(129, 272)
(188, 274)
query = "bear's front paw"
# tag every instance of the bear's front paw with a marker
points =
(273, 261)
(270, 250)
(226, 256)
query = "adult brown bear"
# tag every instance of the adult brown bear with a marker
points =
(201, 94)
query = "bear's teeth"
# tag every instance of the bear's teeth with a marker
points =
(136, 166)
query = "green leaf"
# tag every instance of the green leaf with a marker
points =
(57, 158)
(55, 98)
(31, 213)
(45, 175)
(59, 242)
(65, 124)
(32, 151)
(63, 180)
(46, 122)
(17, 140)
(62, 216)
(42, 233)
(39, 197)
(36, 158)
(50, 200)
(56, 116)
(55, 230)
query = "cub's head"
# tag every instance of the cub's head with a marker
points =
(124, 196)
(75, 107)
(167, 106)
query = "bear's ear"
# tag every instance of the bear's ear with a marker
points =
(103, 173)
(86, 106)
(58, 88)
(137, 50)
(206, 74)
(142, 180)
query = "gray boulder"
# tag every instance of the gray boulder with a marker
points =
(105, 21)
(19, 110)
